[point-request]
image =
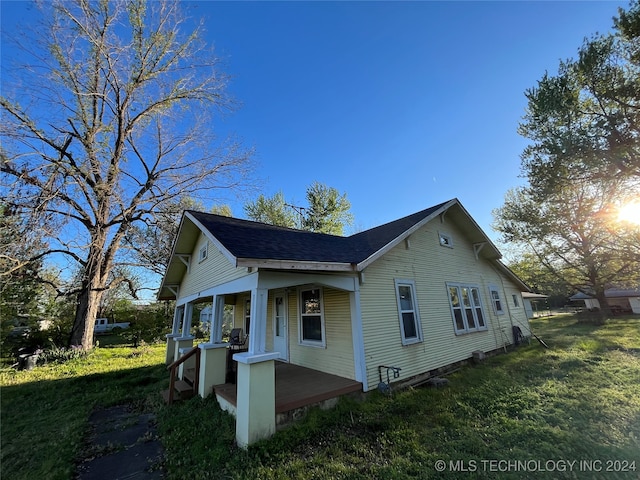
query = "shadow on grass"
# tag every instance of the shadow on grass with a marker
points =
(45, 415)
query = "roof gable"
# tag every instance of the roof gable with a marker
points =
(254, 244)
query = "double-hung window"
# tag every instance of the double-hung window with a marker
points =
(408, 312)
(311, 326)
(495, 299)
(466, 308)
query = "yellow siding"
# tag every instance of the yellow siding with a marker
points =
(337, 357)
(216, 269)
(431, 266)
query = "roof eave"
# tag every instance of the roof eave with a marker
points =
(288, 265)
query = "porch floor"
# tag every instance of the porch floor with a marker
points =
(298, 386)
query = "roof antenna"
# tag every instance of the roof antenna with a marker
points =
(299, 211)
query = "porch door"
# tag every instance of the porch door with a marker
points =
(280, 327)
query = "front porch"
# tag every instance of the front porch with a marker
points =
(296, 387)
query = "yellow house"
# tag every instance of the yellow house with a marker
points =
(320, 315)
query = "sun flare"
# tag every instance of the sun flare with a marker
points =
(630, 212)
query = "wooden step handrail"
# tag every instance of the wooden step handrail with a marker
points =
(172, 382)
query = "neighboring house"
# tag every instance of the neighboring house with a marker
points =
(619, 300)
(416, 294)
(534, 302)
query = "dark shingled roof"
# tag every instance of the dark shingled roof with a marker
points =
(247, 239)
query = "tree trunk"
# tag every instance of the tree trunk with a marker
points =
(89, 298)
(84, 323)
(605, 310)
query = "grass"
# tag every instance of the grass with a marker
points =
(578, 400)
(45, 411)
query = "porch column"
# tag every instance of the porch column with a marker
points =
(186, 322)
(185, 340)
(175, 333)
(217, 312)
(258, 333)
(256, 397)
(213, 367)
(181, 343)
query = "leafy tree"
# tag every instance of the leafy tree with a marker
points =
(529, 268)
(272, 210)
(575, 235)
(109, 124)
(583, 165)
(584, 122)
(19, 290)
(327, 211)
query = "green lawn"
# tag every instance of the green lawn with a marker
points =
(578, 401)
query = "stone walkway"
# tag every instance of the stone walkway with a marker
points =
(123, 444)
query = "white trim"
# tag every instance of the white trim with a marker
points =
(211, 237)
(246, 300)
(278, 280)
(258, 334)
(186, 259)
(242, 284)
(516, 302)
(248, 358)
(203, 252)
(477, 248)
(357, 336)
(285, 333)
(445, 239)
(401, 282)
(462, 308)
(311, 343)
(295, 265)
(496, 310)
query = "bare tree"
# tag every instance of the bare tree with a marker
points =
(109, 123)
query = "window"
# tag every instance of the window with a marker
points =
(203, 252)
(466, 308)
(408, 312)
(247, 315)
(445, 240)
(495, 299)
(311, 317)
(515, 300)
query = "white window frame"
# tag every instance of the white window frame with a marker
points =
(301, 316)
(475, 305)
(516, 302)
(399, 282)
(445, 240)
(496, 301)
(246, 315)
(203, 252)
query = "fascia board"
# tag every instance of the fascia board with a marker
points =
(287, 265)
(219, 245)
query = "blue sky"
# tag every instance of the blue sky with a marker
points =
(401, 105)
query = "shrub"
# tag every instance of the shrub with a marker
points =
(60, 354)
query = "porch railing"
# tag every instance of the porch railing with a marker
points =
(173, 367)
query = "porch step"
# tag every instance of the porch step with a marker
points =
(182, 391)
(185, 389)
(190, 375)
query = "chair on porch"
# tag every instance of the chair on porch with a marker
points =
(236, 339)
(237, 344)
